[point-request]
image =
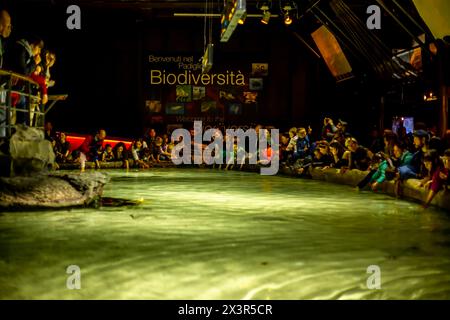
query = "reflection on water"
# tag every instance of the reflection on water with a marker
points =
(204, 234)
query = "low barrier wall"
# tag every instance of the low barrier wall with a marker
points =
(410, 189)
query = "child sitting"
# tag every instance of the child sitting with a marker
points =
(108, 154)
(302, 145)
(62, 149)
(121, 154)
(157, 152)
(138, 152)
(292, 145)
(166, 149)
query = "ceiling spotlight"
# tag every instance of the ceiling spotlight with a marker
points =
(287, 9)
(265, 8)
(266, 17)
(287, 20)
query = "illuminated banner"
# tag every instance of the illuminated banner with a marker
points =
(177, 91)
(182, 70)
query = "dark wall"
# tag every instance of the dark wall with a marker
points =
(102, 67)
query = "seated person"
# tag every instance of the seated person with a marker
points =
(284, 142)
(91, 149)
(49, 134)
(389, 140)
(322, 157)
(377, 174)
(292, 145)
(402, 157)
(138, 151)
(302, 145)
(157, 150)
(165, 155)
(336, 153)
(328, 129)
(62, 149)
(414, 169)
(121, 154)
(437, 175)
(357, 157)
(108, 154)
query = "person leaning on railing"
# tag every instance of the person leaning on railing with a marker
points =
(21, 59)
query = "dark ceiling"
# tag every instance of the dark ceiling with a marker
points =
(346, 19)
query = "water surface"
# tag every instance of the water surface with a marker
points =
(206, 234)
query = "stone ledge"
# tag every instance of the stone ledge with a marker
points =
(410, 189)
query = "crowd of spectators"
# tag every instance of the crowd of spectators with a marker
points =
(419, 155)
(391, 156)
(396, 156)
(142, 154)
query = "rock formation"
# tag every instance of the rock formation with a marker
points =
(27, 183)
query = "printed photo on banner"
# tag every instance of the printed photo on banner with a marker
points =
(235, 109)
(198, 93)
(250, 97)
(175, 109)
(260, 69)
(153, 106)
(227, 94)
(184, 93)
(256, 84)
(209, 107)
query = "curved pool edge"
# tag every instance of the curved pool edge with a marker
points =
(410, 189)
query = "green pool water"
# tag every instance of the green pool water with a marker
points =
(207, 234)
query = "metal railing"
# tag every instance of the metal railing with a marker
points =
(24, 89)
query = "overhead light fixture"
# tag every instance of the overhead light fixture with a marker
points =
(286, 9)
(287, 20)
(265, 8)
(266, 17)
(207, 60)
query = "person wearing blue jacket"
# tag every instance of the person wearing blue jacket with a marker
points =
(303, 145)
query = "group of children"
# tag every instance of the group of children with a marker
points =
(416, 156)
(142, 153)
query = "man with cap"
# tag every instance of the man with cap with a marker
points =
(414, 170)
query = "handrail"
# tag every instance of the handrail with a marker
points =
(17, 76)
(31, 113)
(36, 116)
